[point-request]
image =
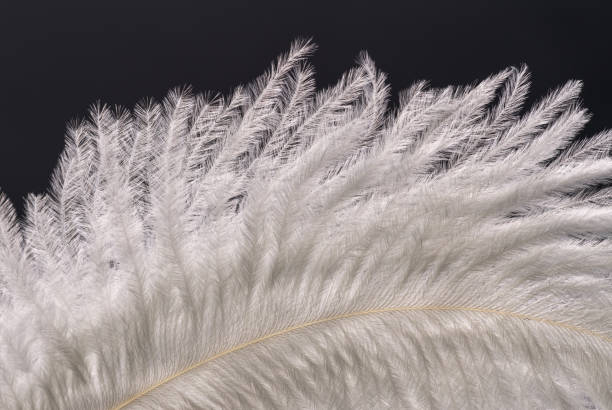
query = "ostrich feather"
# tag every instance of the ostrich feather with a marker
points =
(283, 247)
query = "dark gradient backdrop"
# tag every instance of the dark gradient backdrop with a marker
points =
(58, 58)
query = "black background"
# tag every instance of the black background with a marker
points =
(59, 58)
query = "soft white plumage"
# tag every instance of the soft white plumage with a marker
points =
(281, 248)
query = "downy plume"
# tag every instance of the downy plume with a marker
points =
(283, 247)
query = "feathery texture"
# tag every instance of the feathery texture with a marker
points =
(287, 248)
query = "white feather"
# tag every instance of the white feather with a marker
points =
(283, 248)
